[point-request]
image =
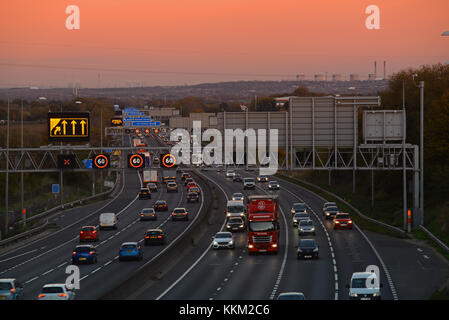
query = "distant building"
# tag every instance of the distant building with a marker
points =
(336, 77)
(300, 77)
(318, 77)
(372, 76)
(354, 77)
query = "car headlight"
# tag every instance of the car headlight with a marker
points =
(315, 250)
(355, 295)
(231, 242)
(228, 226)
(295, 221)
(241, 226)
(374, 294)
(215, 243)
(312, 229)
(228, 215)
(242, 214)
(299, 250)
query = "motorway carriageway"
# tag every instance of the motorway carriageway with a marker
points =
(233, 274)
(44, 260)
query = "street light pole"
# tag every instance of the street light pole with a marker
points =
(7, 174)
(421, 151)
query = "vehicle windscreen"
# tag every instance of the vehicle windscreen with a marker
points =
(238, 195)
(332, 209)
(52, 290)
(301, 216)
(83, 249)
(235, 209)
(153, 233)
(235, 220)
(5, 286)
(179, 211)
(148, 210)
(258, 226)
(222, 236)
(129, 247)
(160, 202)
(299, 207)
(358, 283)
(307, 243)
(306, 223)
(88, 229)
(249, 180)
(291, 297)
(343, 216)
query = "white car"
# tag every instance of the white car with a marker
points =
(230, 174)
(108, 220)
(364, 286)
(56, 291)
(223, 240)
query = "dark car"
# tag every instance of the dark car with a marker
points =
(193, 197)
(160, 205)
(185, 176)
(262, 178)
(148, 214)
(187, 180)
(152, 187)
(235, 224)
(237, 178)
(180, 214)
(144, 193)
(307, 248)
(298, 207)
(330, 212)
(155, 236)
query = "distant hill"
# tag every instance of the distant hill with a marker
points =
(221, 91)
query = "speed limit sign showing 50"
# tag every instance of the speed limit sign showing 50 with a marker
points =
(135, 161)
(101, 161)
(168, 160)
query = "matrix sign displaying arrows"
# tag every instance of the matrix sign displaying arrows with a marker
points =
(68, 126)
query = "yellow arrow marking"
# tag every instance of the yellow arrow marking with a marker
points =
(83, 123)
(64, 124)
(58, 129)
(73, 123)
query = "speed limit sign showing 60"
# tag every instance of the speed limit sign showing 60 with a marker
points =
(135, 161)
(101, 161)
(168, 160)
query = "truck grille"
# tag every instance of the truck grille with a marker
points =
(262, 239)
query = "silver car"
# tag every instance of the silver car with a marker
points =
(306, 227)
(10, 289)
(223, 240)
(300, 216)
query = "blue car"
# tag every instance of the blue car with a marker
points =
(130, 250)
(84, 254)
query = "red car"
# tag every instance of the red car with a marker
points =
(160, 205)
(342, 221)
(191, 185)
(89, 233)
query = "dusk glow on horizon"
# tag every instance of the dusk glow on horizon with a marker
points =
(176, 42)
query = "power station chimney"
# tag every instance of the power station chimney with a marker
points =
(375, 69)
(385, 69)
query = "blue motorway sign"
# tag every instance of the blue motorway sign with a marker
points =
(132, 112)
(87, 163)
(129, 119)
(55, 188)
(145, 123)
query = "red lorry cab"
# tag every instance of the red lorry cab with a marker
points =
(263, 223)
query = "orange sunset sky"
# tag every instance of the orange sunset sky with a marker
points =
(173, 42)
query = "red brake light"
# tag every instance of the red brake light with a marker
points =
(62, 295)
(159, 237)
(74, 252)
(13, 290)
(41, 296)
(91, 252)
(147, 237)
(81, 232)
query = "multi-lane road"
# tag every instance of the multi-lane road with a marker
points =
(203, 273)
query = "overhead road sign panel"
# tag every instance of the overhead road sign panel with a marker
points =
(68, 126)
(66, 161)
(145, 123)
(116, 122)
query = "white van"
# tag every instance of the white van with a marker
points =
(235, 208)
(108, 220)
(364, 286)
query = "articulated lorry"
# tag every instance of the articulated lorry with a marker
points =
(263, 223)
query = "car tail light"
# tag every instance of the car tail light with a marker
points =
(13, 290)
(41, 296)
(81, 232)
(147, 237)
(91, 252)
(159, 237)
(74, 252)
(62, 295)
